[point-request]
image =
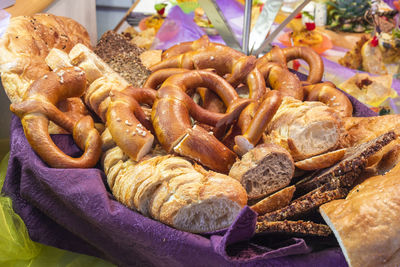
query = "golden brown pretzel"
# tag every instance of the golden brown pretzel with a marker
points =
(127, 122)
(328, 94)
(258, 125)
(225, 60)
(171, 118)
(281, 79)
(184, 47)
(312, 58)
(39, 106)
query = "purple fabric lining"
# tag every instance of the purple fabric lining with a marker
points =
(72, 209)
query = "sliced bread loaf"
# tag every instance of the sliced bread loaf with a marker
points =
(263, 170)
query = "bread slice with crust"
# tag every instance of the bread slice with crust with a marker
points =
(293, 228)
(275, 201)
(349, 168)
(263, 170)
(307, 203)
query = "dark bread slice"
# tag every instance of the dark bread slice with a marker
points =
(123, 57)
(306, 203)
(275, 201)
(294, 228)
(263, 170)
(349, 168)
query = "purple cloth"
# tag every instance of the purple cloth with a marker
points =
(72, 209)
(179, 27)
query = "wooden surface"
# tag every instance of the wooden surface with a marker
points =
(28, 7)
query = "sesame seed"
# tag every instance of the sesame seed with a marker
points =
(128, 123)
(212, 58)
(133, 133)
(45, 76)
(127, 131)
(118, 119)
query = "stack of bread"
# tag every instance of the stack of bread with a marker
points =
(193, 163)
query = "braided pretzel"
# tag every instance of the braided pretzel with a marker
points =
(125, 120)
(171, 118)
(39, 106)
(328, 94)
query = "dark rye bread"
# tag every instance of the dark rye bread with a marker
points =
(349, 168)
(307, 203)
(264, 170)
(123, 57)
(296, 228)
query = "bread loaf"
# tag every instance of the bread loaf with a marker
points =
(366, 223)
(170, 189)
(305, 129)
(263, 170)
(25, 45)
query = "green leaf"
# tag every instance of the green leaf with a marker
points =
(308, 15)
(160, 6)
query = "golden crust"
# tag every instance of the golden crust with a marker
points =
(25, 45)
(366, 222)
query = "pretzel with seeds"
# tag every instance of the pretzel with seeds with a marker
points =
(39, 107)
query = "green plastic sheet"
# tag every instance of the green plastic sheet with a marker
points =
(17, 249)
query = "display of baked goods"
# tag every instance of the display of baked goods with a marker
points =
(182, 145)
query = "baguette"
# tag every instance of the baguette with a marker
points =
(366, 222)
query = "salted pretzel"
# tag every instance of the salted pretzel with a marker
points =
(39, 106)
(127, 122)
(328, 94)
(172, 112)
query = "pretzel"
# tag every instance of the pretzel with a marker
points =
(127, 122)
(226, 61)
(171, 118)
(39, 106)
(184, 47)
(328, 94)
(282, 56)
(258, 125)
(281, 79)
(312, 58)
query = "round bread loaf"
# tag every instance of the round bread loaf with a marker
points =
(25, 45)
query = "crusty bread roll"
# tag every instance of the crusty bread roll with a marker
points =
(170, 189)
(25, 45)
(366, 223)
(305, 129)
(263, 170)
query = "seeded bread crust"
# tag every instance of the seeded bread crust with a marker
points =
(293, 228)
(303, 205)
(123, 57)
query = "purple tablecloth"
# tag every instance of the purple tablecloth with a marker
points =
(72, 209)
